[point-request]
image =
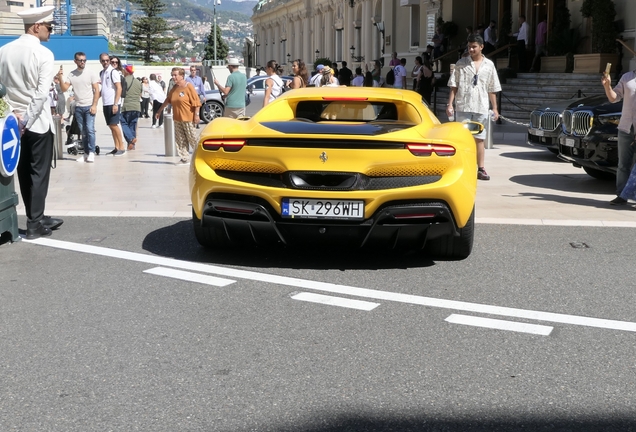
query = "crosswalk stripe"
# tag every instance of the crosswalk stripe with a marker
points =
(336, 301)
(189, 276)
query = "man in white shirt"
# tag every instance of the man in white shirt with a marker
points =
(523, 39)
(315, 80)
(473, 83)
(358, 80)
(26, 69)
(399, 71)
(490, 37)
(85, 84)
(111, 99)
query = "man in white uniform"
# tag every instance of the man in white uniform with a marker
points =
(85, 84)
(26, 69)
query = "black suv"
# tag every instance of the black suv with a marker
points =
(545, 125)
(589, 136)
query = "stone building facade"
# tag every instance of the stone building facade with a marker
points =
(360, 31)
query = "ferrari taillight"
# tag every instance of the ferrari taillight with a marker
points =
(429, 149)
(227, 145)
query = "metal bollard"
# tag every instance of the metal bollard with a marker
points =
(488, 125)
(59, 139)
(168, 135)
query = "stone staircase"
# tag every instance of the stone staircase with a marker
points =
(528, 91)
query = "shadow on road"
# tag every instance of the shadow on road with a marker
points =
(579, 183)
(541, 156)
(178, 241)
(585, 202)
(430, 424)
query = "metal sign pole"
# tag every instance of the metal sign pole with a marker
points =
(489, 123)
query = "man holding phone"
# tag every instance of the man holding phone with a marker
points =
(625, 89)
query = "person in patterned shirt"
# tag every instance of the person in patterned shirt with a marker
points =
(473, 84)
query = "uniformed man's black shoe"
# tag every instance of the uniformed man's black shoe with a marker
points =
(52, 223)
(37, 232)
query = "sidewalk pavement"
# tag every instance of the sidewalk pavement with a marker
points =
(529, 185)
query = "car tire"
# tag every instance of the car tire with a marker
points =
(454, 247)
(211, 110)
(208, 237)
(598, 174)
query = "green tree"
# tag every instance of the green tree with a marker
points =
(604, 31)
(222, 49)
(148, 33)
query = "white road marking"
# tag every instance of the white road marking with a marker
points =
(336, 301)
(500, 324)
(342, 289)
(190, 277)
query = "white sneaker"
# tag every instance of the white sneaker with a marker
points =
(154, 126)
(81, 159)
(91, 157)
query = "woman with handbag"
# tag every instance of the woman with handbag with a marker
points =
(185, 110)
(273, 84)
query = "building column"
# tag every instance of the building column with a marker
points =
(330, 45)
(306, 34)
(278, 43)
(366, 49)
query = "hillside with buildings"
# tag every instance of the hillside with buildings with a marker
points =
(193, 22)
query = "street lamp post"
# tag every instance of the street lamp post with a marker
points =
(215, 3)
(354, 58)
(317, 54)
(125, 13)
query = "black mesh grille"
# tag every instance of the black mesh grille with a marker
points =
(328, 181)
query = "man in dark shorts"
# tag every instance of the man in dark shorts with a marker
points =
(111, 99)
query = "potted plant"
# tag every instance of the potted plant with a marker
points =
(604, 34)
(562, 43)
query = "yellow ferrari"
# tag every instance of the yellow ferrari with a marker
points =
(355, 166)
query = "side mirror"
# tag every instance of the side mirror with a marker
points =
(473, 126)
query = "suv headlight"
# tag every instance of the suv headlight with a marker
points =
(613, 118)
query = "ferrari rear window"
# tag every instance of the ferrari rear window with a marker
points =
(346, 111)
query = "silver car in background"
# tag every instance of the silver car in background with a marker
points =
(215, 104)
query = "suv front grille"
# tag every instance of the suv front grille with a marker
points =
(550, 121)
(582, 122)
(567, 122)
(535, 119)
(547, 121)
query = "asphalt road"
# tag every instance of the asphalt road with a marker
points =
(99, 331)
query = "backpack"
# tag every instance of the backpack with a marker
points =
(122, 81)
(390, 77)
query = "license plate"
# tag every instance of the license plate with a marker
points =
(322, 209)
(570, 142)
(538, 132)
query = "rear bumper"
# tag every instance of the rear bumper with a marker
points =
(249, 220)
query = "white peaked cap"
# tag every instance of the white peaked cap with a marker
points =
(42, 14)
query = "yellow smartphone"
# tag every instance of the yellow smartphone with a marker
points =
(608, 68)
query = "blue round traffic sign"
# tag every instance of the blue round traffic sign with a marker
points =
(10, 145)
